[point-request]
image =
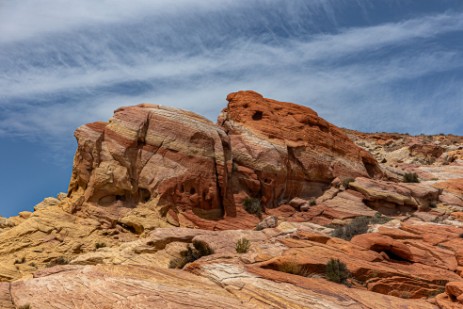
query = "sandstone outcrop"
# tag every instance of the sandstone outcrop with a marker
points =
(150, 152)
(303, 152)
(159, 198)
(166, 162)
(284, 268)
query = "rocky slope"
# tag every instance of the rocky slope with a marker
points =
(159, 198)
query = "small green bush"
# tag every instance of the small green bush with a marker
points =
(58, 261)
(411, 178)
(313, 202)
(358, 225)
(242, 245)
(252, 205)
(336, 271)
(379, 219)
(194, 251)
(347, 181)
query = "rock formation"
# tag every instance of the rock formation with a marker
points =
(186, 164)
(303, 152)
(160, 197)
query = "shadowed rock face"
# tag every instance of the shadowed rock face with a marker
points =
(269, 150)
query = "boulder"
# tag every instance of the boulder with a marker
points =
(392, 198)
(268, 222)
(455, 291)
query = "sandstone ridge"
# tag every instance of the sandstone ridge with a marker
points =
(160, 197)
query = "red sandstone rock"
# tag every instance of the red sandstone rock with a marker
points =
(151, 152)
(455, 291)
(186, 168)
(291, 151)
(382, 243)
(392, 198)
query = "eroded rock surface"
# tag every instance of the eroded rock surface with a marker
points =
(303, 152)
(189, 170)
(160, 198)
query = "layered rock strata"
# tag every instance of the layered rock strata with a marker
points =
(181, 163)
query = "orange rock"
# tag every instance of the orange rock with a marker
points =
(177, 162)
(293, 151)
(455, 291)
(458, 215)
(382, 243)
(392, 198)
(150, 151)
(451, 185)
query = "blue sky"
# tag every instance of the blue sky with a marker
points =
(370, 65)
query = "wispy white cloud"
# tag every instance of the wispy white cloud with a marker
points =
(163, 64)
(27, 19)
(78, 65)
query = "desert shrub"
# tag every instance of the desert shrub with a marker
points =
(252, 205)
(358, 225)
(242, 245)
(411, 178)
(99, 245)
(378, 218)
(336, 271)
(202, 248)
(313, 202)
(58, 261)
(347, 181)
(195, 251)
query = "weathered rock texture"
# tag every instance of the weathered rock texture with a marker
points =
(283, 150)
(396, 267)
(150, 152)
(181, 164)
(156, 206)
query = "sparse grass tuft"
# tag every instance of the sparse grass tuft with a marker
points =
(252, 205)
(58, 261)
(379, 219)
(411, 178)
(336, 271)
(194, 251)
(242, 245)
(358, 226)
